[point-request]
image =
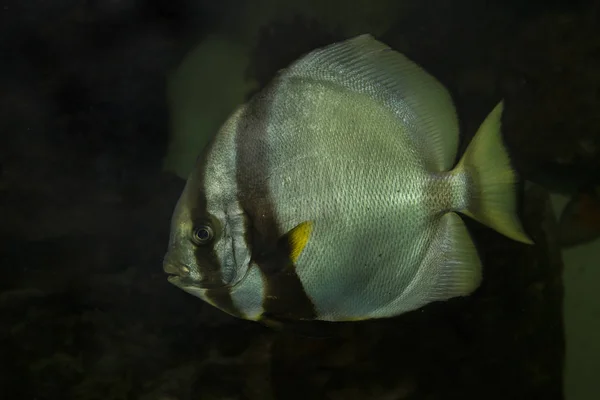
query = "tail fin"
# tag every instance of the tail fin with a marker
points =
(492, 200)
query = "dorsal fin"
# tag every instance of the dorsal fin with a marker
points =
(367, 66)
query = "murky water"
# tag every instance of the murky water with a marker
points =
(104, 107)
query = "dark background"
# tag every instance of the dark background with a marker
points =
(85, 309)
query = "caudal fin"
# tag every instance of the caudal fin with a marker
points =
(492, 180)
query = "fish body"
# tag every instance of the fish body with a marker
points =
(331, 195)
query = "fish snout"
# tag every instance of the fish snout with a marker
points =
(175, 269)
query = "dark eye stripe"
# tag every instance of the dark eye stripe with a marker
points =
(205, 254)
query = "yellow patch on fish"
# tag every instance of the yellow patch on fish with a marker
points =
(298, 239)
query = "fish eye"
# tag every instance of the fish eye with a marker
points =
(202, 234)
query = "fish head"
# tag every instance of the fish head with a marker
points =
(207, 248)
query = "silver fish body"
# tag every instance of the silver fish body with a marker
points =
(331, 195)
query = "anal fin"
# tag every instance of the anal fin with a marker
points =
(454, 261)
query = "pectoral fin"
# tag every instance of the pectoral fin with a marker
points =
(296, 240)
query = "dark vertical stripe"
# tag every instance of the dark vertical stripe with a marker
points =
(284, 296)
(206, 257)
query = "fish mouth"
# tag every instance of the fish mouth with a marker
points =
(176, 272)
(179, 275)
